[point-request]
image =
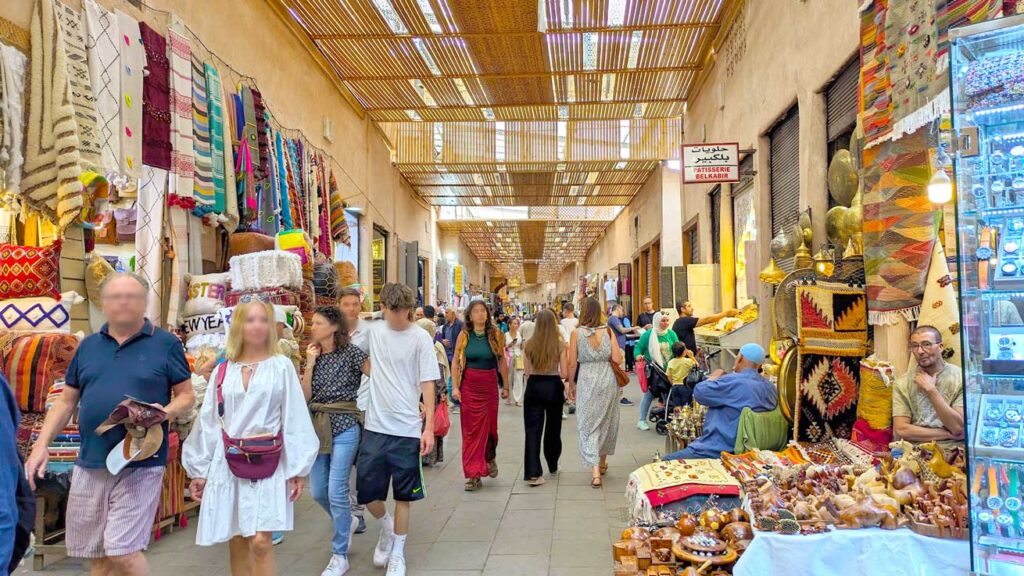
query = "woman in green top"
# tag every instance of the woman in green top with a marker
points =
(658, 350)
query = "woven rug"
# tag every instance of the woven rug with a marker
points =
(875, 96)
(827, 402)
(829, 318)
(667, 481)
(900, 226)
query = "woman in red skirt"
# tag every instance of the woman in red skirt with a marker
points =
(476, 367)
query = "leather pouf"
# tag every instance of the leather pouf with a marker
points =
(248, 242)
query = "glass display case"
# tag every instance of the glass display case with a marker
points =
(987, 82)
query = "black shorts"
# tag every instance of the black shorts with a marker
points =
(387, 461)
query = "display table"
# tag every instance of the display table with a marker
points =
(868, 552)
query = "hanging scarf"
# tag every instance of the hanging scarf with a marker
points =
(73, 32)
(156, 100)
(654, 342)
(149, 235)
(215, 107)
(230, 218)
(202, 185)
(339, 225)
(12, 89)
(282, 180)
(326, 247)
(182, 144)
(133, 64)
(105, 77)
(52, 162)
(267, 185)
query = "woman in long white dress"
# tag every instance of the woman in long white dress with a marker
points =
(514, 357)
(262, 395)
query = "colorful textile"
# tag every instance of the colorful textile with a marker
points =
(34, 363)
(280, 296)
(874, 404)
(479, 420)
(179, 264)
(956, 13)
(156, 100)
(940, 305)
(827, 398)
(870, 439)
(149, 237)
(339, 224)
(831, 317)
(182, 146)
(50, 182)
(26, 272)
(202, 185)
(105, 76)
(919, 90)
(206, 293)
(42, 314)
(133, 65)
(876, 94)
(73, 32)
(283, 181)
(667, 481)
(13, 65)
(900, 226)
(294, 241)
(215, 109)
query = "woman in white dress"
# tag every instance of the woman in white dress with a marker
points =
(514, 357)
(262, 396)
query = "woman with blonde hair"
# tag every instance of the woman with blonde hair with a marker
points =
(254, 403)
(592, 348)
(545, 368)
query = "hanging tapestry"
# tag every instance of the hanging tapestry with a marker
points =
(266, 185)
(179, 264)
(956, 13)
(156, 101)
(919, 89)
(52, 162)
(133, 66)
(73, 32)
(939, 307)
(105, 77)
(215, 104)
(202, 185)
(875, 96)
(831, 317)
(900, 226)
(339, 224)
(13, 65)
(827, 400)
(182, 146)
(874, 403)
(149, 237)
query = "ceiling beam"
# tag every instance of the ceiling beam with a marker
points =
(521, 33)
(679, 100)
(541, 74)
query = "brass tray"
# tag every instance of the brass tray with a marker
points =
(787, 383)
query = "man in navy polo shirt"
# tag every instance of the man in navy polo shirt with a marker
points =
(109, 516)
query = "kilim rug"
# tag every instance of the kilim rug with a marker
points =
(875, 96)
(900, 226)
(827, 402)
(830, 318)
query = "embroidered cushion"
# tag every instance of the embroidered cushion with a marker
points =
(212, 323)
(39, 314)
(290, 316)
(34, 363)
(282, 296)
(205, 293)
(296, 242)
(270, 269)
(26, 271)
(95, 272)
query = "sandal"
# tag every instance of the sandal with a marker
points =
(538, 481)
(596, 482)
(472, 485)
(603, 468)
(492, 469)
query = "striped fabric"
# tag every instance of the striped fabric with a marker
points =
(73, 32)
(339, 225)
(283, 181)
(202, 185)
(215, 108)
(182, 147)
(95, 527)
(32, 365)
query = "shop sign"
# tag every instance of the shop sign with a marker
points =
(703, 163)
(457, 281)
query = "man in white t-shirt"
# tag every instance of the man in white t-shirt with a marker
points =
(403, 368)
(569, 320)
(611, 292)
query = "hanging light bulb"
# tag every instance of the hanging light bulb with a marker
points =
(940, 187)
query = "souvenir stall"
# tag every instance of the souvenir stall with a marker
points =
(130, 146)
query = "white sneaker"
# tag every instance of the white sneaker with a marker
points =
(338, 566)
(353, 528)
(382, 552)
(396, 567)
(643, 426)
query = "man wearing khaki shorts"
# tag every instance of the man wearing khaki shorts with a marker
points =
(110, 516)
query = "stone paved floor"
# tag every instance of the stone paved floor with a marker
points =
(563, 528)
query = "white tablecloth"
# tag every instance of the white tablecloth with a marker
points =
(867, 552)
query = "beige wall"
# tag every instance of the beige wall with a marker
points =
(452, 243)
(792, 50)
(249, 35)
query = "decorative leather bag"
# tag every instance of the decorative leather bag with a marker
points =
(621, 378)
(252, 457)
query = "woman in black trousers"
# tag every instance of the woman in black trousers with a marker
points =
(545, 368)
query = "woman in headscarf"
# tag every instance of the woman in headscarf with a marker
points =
(657, 349)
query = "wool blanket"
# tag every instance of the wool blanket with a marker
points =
(133, 65)
(52, 164)
(203, 189)
(13, 65)
(73, 31)
(149, 236)
(667, 481)
(182, 147)
(830, 318)
(101, 27)
(900, 226)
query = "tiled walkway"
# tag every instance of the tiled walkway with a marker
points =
(564, 528)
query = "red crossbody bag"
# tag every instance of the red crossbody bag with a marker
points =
(252, 457)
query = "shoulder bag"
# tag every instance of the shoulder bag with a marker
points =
(252, 457)
(621, 378)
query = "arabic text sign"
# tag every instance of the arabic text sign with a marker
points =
(711, 163)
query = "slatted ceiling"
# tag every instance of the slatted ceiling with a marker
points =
(530, 273)
(579, 111)
(491, 53)
(518, 90)
(532, 236)
(494, 17)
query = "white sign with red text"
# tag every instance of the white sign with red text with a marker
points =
(711, 163)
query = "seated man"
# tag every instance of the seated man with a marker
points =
(928, 403)
(726, 395)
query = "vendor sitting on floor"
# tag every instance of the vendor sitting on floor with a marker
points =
(928, 403)
(726, 395)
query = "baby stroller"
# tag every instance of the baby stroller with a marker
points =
(668, 395)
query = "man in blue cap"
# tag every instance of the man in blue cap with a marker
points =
(726, 395)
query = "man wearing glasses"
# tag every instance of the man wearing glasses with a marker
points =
(928, 403)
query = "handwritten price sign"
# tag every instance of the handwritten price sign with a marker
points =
(711, 163)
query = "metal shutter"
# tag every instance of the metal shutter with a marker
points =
(716, 223)
(841, 101)
(694, 245)
(784, 166)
